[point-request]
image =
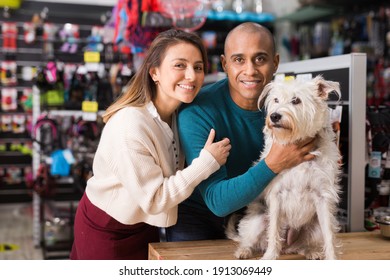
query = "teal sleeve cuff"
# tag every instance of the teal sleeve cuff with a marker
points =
(226, 196)
(265, 169)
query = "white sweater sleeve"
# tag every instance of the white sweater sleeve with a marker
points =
(143, 178)
(139, 160)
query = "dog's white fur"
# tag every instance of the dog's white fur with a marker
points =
(303, 198)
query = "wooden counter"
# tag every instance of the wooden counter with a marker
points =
(355, 246)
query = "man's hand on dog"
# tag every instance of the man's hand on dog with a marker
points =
(283, 157)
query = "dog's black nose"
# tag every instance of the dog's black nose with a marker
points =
(275, 117)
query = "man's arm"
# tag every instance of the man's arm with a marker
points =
(221, 194)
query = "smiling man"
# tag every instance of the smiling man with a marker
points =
(230, 107)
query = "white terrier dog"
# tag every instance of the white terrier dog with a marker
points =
(303, 198)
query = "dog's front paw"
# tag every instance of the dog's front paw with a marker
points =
(314, 256)
(269, 256)
(319, 255)
(330, 257)
(243, 253)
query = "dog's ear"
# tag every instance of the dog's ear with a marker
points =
(325, 87)
(263, 95)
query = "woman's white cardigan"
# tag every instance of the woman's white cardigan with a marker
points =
(138, 173)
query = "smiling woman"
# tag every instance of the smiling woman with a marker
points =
(178, 78)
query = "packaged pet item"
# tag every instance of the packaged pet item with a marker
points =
(374, 167)
(69, 35)
(26, 100)
(94, 41)
(52, 84)
(29, 32)
(49, 34)
(18, 123)
(13, 175)
(10, 33)
(51, 72)
(28, 73)
(24, 148)
(32, 29)
(8, 73)
(9, 97)
(6, 123)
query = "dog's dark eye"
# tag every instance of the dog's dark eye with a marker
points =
(295, 101)
(276, 100)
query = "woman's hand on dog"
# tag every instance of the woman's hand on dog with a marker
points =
(283, 157)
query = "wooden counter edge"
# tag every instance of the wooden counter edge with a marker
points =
(359, 245)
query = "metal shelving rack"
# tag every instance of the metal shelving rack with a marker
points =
(31, 55)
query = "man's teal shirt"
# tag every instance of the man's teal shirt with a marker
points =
(240, 181)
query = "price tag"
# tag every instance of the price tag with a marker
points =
(304, 77)
(90, 106)
(289, 78)
(89, 116)
(279, 77)
(91, 57)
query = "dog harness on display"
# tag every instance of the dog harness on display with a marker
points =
(88, 128)
(50, 141)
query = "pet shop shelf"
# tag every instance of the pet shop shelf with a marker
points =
(57, 211)
(15, 146)
(62, 37)
(15, 168)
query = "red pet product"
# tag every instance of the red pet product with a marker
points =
(10, 34)
(9, 99)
